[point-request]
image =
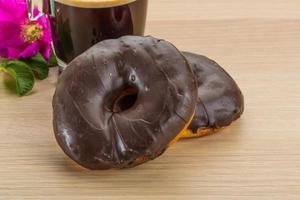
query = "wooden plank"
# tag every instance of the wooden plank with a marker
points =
(223, 9)
(257, 157)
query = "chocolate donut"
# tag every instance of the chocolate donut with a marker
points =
(122, 102)
(220, 101)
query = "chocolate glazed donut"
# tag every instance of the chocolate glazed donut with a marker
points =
(122, 102)
(220, 101)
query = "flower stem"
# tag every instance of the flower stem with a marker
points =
(30, 7)
(2, 65)
(2, 68)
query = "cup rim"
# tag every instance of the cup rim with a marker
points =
(94, 3)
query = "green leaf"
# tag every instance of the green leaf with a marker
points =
(23, 75)
(39, 66)
(2, 68)
(52, 60)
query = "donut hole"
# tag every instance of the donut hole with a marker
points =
(125, 100)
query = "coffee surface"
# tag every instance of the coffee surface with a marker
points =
(95, 3)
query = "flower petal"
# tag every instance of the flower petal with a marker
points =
(36, 12)
(13, 9)
(30, 50)
(10, 35)
(13, 52)
(47, 37)
(46, 50)
(13, 16)
(44, 22)
(3, 53)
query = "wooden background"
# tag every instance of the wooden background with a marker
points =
(258, 42)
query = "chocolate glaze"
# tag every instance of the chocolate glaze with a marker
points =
(220, 101)
(122, 102)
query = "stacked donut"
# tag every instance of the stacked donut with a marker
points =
(125, 101)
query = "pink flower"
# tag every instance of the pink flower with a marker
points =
(21, 37)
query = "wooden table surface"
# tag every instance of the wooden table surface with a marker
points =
(258, 42)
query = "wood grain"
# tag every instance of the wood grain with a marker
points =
(257, 157)
(223, 9)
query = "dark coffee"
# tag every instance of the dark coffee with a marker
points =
(79, 25)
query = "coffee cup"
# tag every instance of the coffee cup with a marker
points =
(79, 24)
